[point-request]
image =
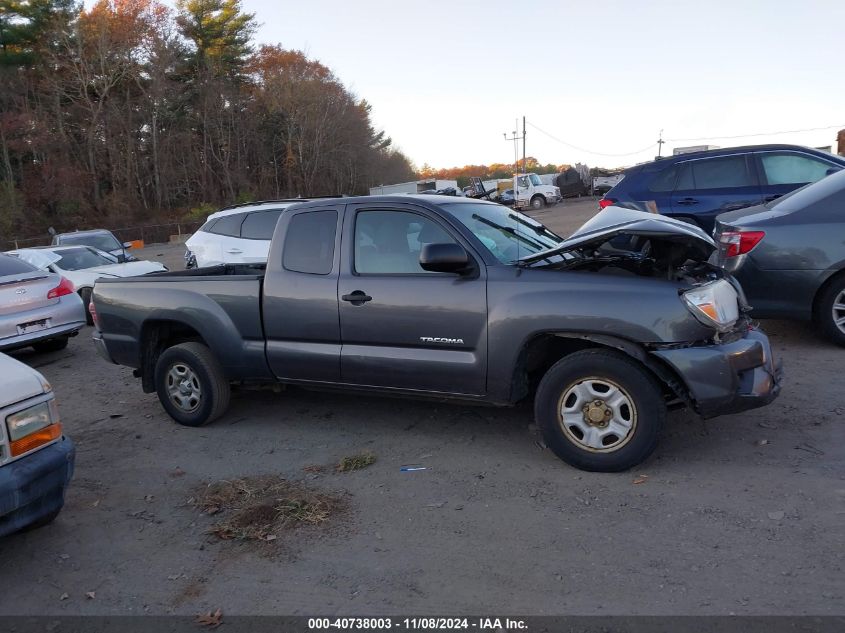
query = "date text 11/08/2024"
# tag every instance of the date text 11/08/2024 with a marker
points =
(424, 623)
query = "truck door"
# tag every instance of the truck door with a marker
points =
(301, 324)
(402, 326)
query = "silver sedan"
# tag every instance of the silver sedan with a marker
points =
(37, 308)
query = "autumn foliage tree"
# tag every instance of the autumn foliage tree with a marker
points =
(130, 111)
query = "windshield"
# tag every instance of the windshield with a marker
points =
(507, 234)
(535, 180)
(80, 258)
(102, 241)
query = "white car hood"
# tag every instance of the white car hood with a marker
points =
(19, 381)
(87, 276)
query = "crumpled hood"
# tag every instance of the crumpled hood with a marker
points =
(613, 221)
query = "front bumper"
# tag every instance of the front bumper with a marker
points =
(33, 487)
(728, 378)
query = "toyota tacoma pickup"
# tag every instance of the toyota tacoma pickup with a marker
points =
(457, 299)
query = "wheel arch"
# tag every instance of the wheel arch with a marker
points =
(156, 336)
(827, 283)
(542, 350)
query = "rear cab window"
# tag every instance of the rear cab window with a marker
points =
(309, 242)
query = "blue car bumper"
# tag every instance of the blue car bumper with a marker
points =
(33, 487)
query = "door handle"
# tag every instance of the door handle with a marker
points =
(234, 251)
(687, 201)
(357, 298)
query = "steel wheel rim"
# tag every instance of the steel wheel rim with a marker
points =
(183, 387)
(838, 311)
(597, 414)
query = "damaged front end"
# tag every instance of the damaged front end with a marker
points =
(730, 370)
(625, 242)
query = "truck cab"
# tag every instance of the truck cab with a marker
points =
(530, 192)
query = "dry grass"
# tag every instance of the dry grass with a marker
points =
(260, 508)
(355, 462)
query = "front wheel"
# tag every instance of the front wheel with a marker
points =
(538, 202)
(191, 385)
(830, 312)
(599, 410)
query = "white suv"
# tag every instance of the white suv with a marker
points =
(236, 235)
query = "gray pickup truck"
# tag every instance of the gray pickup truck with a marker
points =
(457, 299)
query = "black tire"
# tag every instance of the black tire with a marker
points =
(51, 345)
(538, 202)
(834, 294)
(646, 417)
(85, 295)
(212, 397)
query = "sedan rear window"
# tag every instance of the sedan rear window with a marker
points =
(14, 266)
(103, 241)
(260, 225)
(229, 225)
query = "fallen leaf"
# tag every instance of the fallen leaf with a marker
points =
(90, 594)
(149, 498)
(640, 479)
(762, 442)
(270, 537)
(95, 504)
(212, 619)
(64, 596)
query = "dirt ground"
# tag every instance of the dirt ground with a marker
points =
(743, 514)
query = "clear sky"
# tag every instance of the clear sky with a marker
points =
(447, 79)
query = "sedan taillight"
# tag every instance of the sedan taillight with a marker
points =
(736, 243)
(65, 287)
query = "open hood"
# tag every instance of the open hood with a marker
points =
(616, 221)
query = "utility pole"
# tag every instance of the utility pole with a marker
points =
(524, 169)
(515, 138)
(660, 142)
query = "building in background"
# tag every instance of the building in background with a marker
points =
(692, 148)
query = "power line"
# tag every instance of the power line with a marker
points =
(587, 151)
(719, 138)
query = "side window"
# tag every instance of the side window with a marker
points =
(793, 169)
(309, 242)
(664, 180)
(390, 241)
(720, 173)
(259, 225)
(229, 225)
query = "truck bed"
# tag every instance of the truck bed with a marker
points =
(219, 303)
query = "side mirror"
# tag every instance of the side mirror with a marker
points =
(127, 245)
(444, 258)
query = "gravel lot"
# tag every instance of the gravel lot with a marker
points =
(742, 514)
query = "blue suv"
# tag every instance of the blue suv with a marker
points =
(698, 186)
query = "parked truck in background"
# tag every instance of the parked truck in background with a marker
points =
(531, 193)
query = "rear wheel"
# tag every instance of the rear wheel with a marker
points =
(830, 311)
(191, 385)
(85, 295)
(538, 202)
(600, 410)
(52, 345)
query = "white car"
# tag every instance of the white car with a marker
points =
(236, 235)
(83, 265)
